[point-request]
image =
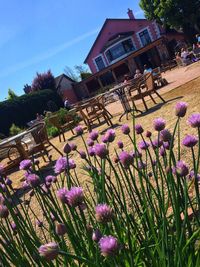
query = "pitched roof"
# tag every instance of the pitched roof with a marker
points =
(59, 78)
(104, 25)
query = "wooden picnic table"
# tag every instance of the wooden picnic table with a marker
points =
(17, 140)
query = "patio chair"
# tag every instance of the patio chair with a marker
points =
(41, 142)
(69, 124)
(148, 90)
(92, 111)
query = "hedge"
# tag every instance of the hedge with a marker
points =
(24, 108)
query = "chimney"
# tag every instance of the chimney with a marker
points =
(130, 14)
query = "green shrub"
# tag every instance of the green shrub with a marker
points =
(15, 130)
(24, 108)
(52, 131)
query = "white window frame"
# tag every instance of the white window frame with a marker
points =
(157, 29)
(117, 59)
(138, 35)
(100, 55)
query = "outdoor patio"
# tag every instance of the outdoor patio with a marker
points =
(183, 86)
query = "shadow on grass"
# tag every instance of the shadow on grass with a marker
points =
(157, 107)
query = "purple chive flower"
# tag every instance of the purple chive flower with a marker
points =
(13, 226)
(125, 129)
(194, 120)
(192, 175)
(104, 139)
(62, 195)
(33, 180)
(159, 124)
(49, 251)
(96, 235)
(109, 246)
(75, 196)
(125, 158)
(94, 135)
(143, 145)
(3, 211)
(25, 185)
(67, 148)
(180, 109)
(90, 142)
(162, 152)
(61, 229)
(156, 143)
(190, 141)
(101, 150)
(61, 164)
(148, 134)
(73, 146)
(82, 154)
(50, 179)
(91, 151)
(104, 213)
(181, 168)
(120, 144)
(110, 135)
(139, 129)
(8, 182)
(25, 164)
(79, 130)
(141, 165)
(166, 145)
(165, 135)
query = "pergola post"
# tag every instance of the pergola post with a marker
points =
(114, 76)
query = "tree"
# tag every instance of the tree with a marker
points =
(178, 14)
(78, 74)
(82, 71)
(43, 81)
(11, 94)
(71, 73)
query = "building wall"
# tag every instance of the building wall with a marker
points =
(118, 26)
(66, 91)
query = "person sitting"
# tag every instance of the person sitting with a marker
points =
(126, 78)
(67, 104)
(39, 117)
(137, 74)
(147, 69)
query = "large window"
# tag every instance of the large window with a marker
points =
(99, 63)
(119, 50)
(145, 37)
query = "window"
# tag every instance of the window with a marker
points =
(145, 37)
(120, 49)
(99, 63)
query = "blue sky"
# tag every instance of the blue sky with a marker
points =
(37, 35)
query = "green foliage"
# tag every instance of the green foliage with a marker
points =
(15, 130)
(79, 73)
(11, 94)
(52, 131)
(177, 13)
(24, 108)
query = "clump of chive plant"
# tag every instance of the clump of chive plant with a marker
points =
(140, 206)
